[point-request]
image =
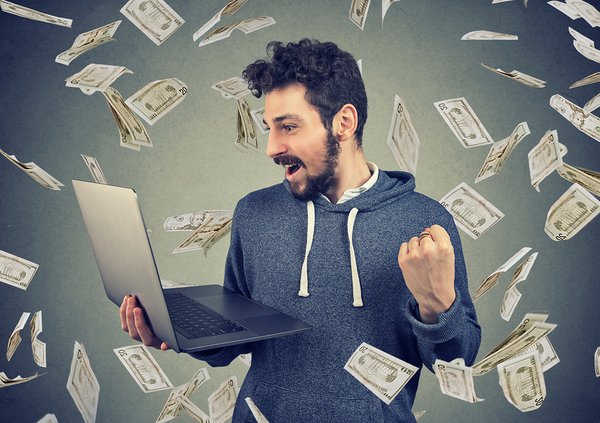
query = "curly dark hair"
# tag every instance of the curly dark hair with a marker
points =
(330, 75)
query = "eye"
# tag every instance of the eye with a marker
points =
(288, 128)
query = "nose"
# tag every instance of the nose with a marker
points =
(275, 145)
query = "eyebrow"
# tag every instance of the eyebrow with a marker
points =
(285, 117)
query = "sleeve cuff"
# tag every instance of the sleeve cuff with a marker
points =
(448, 326)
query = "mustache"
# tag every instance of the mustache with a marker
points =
(288, 160)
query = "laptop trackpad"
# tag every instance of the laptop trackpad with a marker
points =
(235, 306)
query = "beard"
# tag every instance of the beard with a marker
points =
(313, 185)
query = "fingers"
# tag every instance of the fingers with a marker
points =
(431, 241)
(439, 234)
(122, 310)
(442, 241)
(144, 333)
(425, 235)
(130, 318)
(134, 322)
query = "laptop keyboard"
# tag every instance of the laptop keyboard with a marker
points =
(192, 321)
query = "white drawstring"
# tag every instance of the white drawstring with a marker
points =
(310, 208)
(355, 279)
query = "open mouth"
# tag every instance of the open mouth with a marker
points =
(291, 169)
(291, 164)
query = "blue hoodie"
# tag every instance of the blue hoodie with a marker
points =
(335, 267)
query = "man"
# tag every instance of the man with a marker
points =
(349, 249)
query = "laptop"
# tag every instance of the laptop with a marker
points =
(213, 316)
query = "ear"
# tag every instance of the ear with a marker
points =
(345, 122)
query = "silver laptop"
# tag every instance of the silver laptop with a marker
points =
(188, 319)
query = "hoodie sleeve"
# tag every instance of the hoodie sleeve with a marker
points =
(456, 333)
(234, 280)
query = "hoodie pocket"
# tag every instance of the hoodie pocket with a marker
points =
(283, 405)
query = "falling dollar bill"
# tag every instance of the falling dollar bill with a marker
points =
(172, 408)
(585, 10)
(258, 116)
(234, 87)
(597, 361)
(544, 158)
(246, 26)
(456, 380)
(246, 359)
(258, 415)
(48, 418)
(571, 213)
(155, 18)
(500, 151)
(585, 46)
(125, 136)
(191, 221)
(28, 13)
(229, 9)
(15, 338)
(587, 123)
(195, 412)
(382, 373)
(207, 234)
(418, 414)
(488, 35)
(566, 8)
(532, 328)
(247, 137)
(592, 104)
(403, 139)
(94, 168)
(16, 271)
(548, 356)
(359, 10)
(6, 381)
(385, 5)
(472, 213)
(492, 280)
(37, 173)
(127, 118)
(144, 369)
(83, 385)
(522, 381)
(96, 77)
(222, 401)
(87, 41)
(590, 79)
(463, 122)
(38, 347)
(512, 295)
(521, 77)
(588, 179)
(157, 99)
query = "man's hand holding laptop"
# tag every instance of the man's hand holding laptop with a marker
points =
(134, 322)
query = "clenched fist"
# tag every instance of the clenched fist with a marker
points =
(427, 263)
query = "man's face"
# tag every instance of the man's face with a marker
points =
(299, 141)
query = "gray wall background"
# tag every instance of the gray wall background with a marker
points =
(417, 54)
